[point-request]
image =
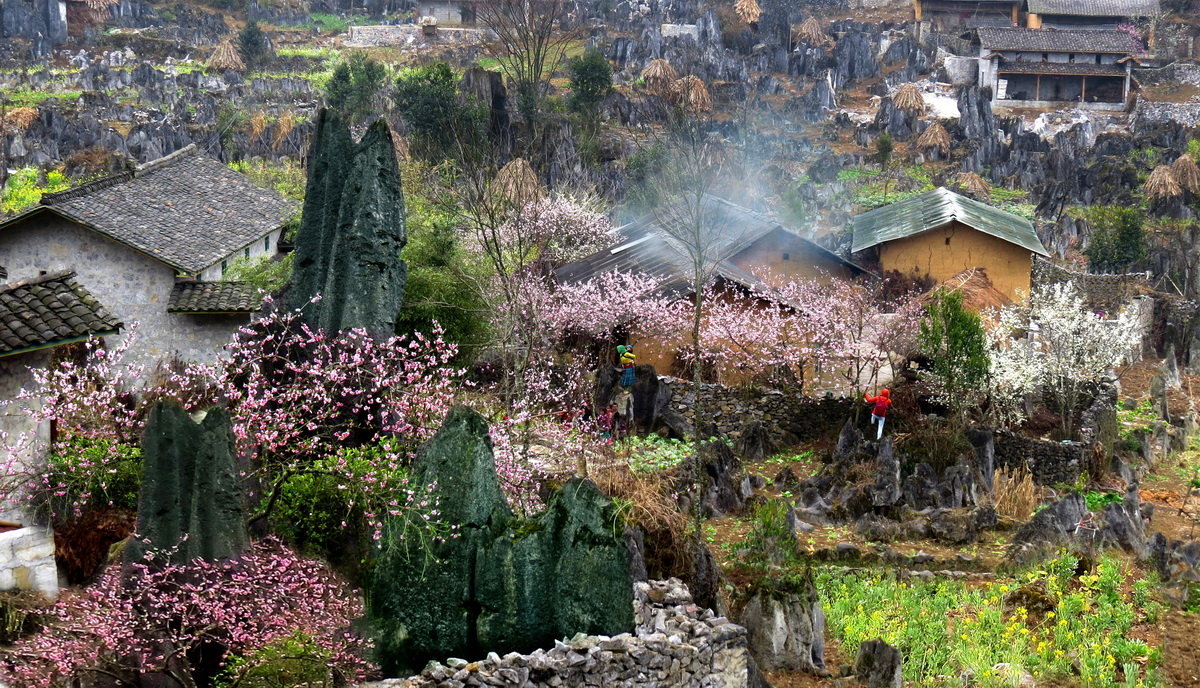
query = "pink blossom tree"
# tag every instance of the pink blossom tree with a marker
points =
(156, 621)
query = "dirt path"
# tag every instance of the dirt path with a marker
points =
(1181, 651)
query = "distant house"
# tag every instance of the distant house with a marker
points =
(150, 245)
(1087, 14)
(941, 234)
(448, 12)
(1049, 67)
(37, 317)
(949, 16)
(743, 240)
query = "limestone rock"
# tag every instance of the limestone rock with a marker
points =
(878, 665)
(191, 500)
(787, 629)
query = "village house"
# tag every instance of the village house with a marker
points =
(940, 234)
(1049, 67)
(152, 245)
(38, 317)
(744, 244)
(950, 16)
(1087, 14)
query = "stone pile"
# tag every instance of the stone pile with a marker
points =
(676, 643)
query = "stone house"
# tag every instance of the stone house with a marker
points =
(1087, 14)
(744, 242)
(37, 317)
(1036, 68)
(151, 245)
(950, 16)
(941, 234)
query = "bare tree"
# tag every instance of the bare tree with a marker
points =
(531, 39)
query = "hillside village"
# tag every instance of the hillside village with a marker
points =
(723, 344)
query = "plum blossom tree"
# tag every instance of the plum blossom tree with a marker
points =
(157, 622)
(1055, 343)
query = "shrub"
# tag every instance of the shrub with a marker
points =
(652, 453)
(1014, 493)
(265, 272)
(92, 470)
(427, 97)
(591, 82)
(26, 186)
(352, 88)
(770, 539)
(1117, 242)
(252, 43)
(954, 338)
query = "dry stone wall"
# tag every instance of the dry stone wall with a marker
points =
(676, 643)
(786, 417)
(27, 561)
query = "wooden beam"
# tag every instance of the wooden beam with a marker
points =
(1083, 89)
(1037, 91)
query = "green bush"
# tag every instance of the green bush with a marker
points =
(290, 662)
(427, 97)
(26, 186)
(252, 43)
(954, 338)
(352, 88)
(652, 453)
(1118, 241)
(286, 176)
(770, 540)
(264, 272)
(97, 471)
(591, 81)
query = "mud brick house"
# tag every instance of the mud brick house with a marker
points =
(1048, 67)
(37, 318)
(1087, 14)
(941, 234)
(741, 242)
(150, 244)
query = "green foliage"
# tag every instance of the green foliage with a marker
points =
(287, 662)
(252, 43)
(884, 146)
(428, 98)
(286, 176)
(947, 628)
(32, 97)
(652, 453)
(329, 23)
(591, 82)
(352, 88)
(440, 272)
(26, 186)
(1193, 149)
(1118, 240)
(264, 272)
(954, 338)
(103, 470)
(641, 170)
(1098, 501)
(769, 540)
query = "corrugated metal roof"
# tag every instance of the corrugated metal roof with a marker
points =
(1057, 40)
(644, 246)
(935, 209)
(1095, 8)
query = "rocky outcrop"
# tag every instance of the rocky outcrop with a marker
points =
(878, 665)
(190, 502)
(787, 629)
(457, 596)
(1067, 523)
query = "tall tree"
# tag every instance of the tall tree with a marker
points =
(954, 339)
(531, 40)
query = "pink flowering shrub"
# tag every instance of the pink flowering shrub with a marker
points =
(156, 621)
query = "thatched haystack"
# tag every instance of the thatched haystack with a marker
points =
(935, 136)
(974, 185)
(1162, 184)
(658, 76)
(748, 10)
(100, 10)
(810, 32)
(978, 291)
(909, 99)
(692, 95)
(18, 120)
(282, 129)
(258, 125)
(517, 183)
(226, 57)
(1187, 173)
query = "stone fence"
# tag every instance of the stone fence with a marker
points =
(676, 643)
(1050, 462)
(1107, 293)
(27, 561)
(788, 418)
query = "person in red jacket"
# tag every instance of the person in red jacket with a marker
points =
(879, 409)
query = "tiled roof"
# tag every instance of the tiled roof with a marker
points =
(935, 209)
(52, 309)
(1095, 8)
(1057, 40)
(214, 297)
(644, 246)
(187, 210)
(1059, 68)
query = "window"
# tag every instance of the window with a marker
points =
(267, 243)
(947, 241)
(786, 256)
(224, 267)
(1045, 57)
(1071, 58)
(246, 252)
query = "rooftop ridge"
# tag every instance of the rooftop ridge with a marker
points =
(87, 188)
(59, 275)
(166, 160)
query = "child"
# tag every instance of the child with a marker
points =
(879, 410)
(605, 423)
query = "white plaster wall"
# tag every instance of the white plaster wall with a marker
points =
(15, 420)
(256, 249)
(27, 561)
(132, 286)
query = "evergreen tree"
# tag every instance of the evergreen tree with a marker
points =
(1118, 241)
(353, 85)
(591, 82)
(427, 97)
(252, 43)
(954, 339)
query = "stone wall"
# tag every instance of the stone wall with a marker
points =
(1101, 292)
(676, 643)
(27, 561)
(789, 418)
(1050, 462)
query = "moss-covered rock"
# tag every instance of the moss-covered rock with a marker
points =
(502, 585)
(191, 500)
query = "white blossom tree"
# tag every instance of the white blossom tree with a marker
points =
(1055, 343)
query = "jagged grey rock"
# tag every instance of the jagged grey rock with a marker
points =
(878, 665)
(787, 629)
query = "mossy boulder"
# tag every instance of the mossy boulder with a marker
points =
(503, 584)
